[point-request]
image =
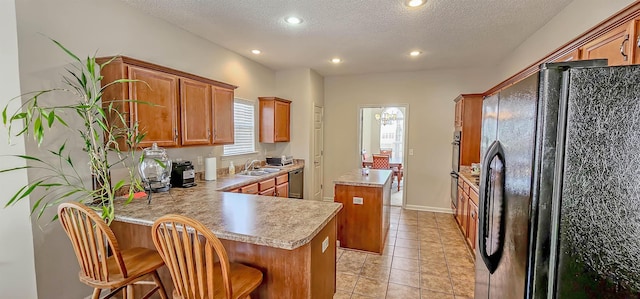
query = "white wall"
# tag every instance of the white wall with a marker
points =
(112, 27)
(429, 95)
(17, 269)
(575, 19)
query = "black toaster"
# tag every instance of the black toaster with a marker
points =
(183, 174)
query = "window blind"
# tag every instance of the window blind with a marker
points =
(244, 129)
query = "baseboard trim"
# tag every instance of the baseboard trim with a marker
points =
(428, 209)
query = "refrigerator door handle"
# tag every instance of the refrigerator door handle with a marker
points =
(492, 177)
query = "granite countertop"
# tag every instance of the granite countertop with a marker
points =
(229, 182)
(472, 181)
(262, 220)
(376, 178)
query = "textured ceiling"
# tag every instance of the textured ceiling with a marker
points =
(370, 36)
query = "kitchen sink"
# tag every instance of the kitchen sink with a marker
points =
(259, 171)
(253, 172)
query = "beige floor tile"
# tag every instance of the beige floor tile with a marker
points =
(426, 294)
(407, 235)
(349, 267)
(345, 281)
(410, 253)
(370, 287)
(408, 228)
(355, 256)
(397, 291)
(462, 273)
(436, 283)
(411, 279)
(341, 295)
(406, 264)
(405, 243)
(463, 287)
(383, 260)
(359, 296)
(375, 271)
(388, 250)
(439, 269)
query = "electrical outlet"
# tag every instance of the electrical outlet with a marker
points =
(199, 160)
(410, 152)
(325, 244)
(358, 200)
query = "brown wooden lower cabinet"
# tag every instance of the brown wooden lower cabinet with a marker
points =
(304, 272)
(363, 226)
(466, 212)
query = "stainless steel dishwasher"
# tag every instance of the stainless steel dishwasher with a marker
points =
(296, 183)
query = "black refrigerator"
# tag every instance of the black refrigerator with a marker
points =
(560, 185)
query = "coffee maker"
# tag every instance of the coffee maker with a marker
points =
(183, 174)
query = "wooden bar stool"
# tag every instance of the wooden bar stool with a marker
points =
(190, 249)
(102, 264)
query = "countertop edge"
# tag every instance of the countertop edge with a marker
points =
(291, 245)
(340, 181)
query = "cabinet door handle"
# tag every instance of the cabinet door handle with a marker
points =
(208, 133)
(625, 56)
(175, 136)
(638, 41)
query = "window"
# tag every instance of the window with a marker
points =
(244, 129)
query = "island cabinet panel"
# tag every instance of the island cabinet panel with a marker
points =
(364, 220)
(223, 132)
(305, 272)
(159, 118)
(195, 104)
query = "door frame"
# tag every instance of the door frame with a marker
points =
(405, 150)
(313, 149)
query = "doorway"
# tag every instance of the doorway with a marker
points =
(383, 131)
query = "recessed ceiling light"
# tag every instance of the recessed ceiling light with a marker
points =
(293, 20)
(256, 51)
(415, 53)
(415, 3)
(336, 60)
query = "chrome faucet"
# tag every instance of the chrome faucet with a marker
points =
(250, 163)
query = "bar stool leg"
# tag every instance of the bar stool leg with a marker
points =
(161, 290)
(96, 294)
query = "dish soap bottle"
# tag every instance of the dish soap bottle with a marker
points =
(232, 168)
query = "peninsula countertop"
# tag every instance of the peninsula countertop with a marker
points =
(376, 178)
(262, 220)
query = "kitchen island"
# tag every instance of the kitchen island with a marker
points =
(363, 223)
(292, 241)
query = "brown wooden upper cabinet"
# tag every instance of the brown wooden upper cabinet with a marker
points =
(274, 119)
(195, 101)
(172, 107)
(223, 132)
(160, 119)
(468, 120)
(616, 45)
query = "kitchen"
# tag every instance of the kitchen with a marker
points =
(429, 94)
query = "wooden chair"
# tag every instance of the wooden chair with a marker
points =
(386, 151)
(102, 264)
(380, 161)
(190, 250)
(398, 173)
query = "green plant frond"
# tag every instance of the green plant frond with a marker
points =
(109, 61)
(66, 51)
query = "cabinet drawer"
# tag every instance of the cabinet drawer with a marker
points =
(237, 190)
(269, 192)
(281, 179)
(473, 196)
(250, 189)
(267, 184)
(460, 182)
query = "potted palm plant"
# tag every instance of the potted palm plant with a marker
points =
(107, 138)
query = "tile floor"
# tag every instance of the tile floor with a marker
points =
(425, 257)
